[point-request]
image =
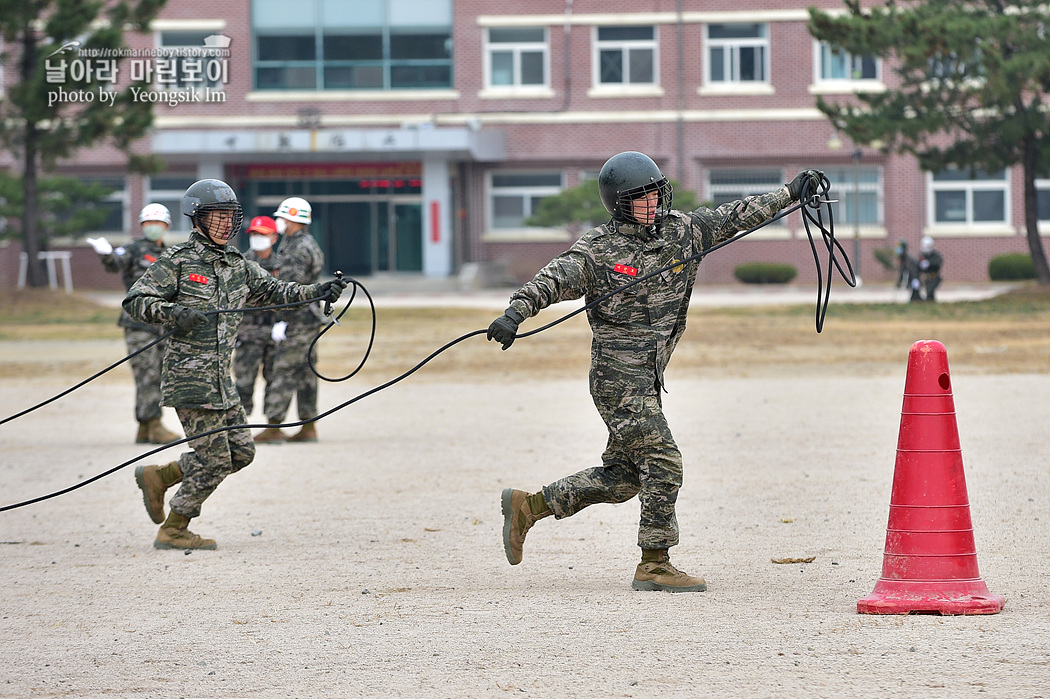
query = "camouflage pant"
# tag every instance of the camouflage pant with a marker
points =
(641, 459)
(145, 368)
(291, 374)
(213, 457)
(255, 347)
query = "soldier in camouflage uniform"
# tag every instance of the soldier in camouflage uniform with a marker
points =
(258, 335)
(301, 261)
(131, 261)
(634, 333)
(200, 275)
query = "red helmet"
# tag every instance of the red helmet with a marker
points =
(262, 224)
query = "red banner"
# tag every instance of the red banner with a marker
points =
(328, 170)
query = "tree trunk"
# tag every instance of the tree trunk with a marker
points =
(30, 237)
(1031, 214)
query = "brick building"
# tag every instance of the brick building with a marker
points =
(424, 132)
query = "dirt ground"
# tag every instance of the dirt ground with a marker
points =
(371, 563)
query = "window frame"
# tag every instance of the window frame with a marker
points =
(968, 187)
(388, 63)
(1042, 187)
(822, 50)
(180, 225)
(733, 46)
(527, 193)
(843, 175)
(204, 84)
(625, 46)
(516, 49)
(743, 188)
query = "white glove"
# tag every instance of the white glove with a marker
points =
(277, 334)
(924, 265)
(101, 245)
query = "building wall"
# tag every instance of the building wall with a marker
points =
(570, 127)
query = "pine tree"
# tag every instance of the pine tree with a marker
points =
(974, 80)
(37, 129)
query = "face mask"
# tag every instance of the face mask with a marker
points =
(153, 231)
(259, 243)
(282, 225)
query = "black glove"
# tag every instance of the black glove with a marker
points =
(815, 177)
(188, 318)
(505, 328)
(335, 288)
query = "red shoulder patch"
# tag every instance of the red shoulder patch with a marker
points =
(149, 258)
(198, 278)
(624, 269)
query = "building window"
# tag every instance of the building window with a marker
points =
(858, 193)
(840, 66)
(733, 184)
(168, 190)
(737, 53)
(364, 45)
(114, 204)
(176, 72)
(625, 56)
(517, 57)
(1042, 198)
(514, 196)
(965, 197)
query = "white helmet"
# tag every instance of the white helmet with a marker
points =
(295, 209)
(926, 244)
(155, 212)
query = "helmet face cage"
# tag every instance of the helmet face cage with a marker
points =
(235, 226)
(663, 203)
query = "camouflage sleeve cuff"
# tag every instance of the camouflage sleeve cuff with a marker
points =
(521, 308)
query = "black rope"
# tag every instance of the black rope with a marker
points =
(815, 200)
(139, 351)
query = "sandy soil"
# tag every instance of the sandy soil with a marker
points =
(371, 563)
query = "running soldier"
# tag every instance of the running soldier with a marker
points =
(634, 333)
(302, 262)
(258, 335)
(131, 261)
(204, 274)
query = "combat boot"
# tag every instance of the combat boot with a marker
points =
(157, 433)
(271, 435)
(175, 534)
(142, 437)
(153, 481)
(518, 517)
(307, 434)
(655, 572)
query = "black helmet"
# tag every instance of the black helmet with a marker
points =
(211, 195)
(627, 176)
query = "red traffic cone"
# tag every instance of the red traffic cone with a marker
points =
(930, 561)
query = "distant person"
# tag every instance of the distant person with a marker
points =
(260, 331)
(930, 263)
(131, 261)
(634, 333)
(204, 275)
(301, 262)
(908, 271)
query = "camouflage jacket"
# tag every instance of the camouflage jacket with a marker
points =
(199, 274)
(261, 319)
(302, 262)
(131, 261)
(636, 330)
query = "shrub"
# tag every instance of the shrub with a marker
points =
(1011, 266)
(765, 273)
(886, 257)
